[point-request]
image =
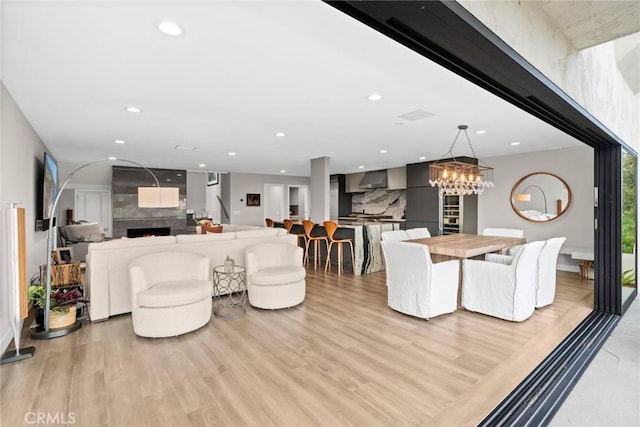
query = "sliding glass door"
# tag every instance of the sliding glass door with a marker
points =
(629, 228)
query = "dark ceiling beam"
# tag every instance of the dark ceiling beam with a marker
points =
(449, 35)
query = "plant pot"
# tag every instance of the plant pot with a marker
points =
(57, 320)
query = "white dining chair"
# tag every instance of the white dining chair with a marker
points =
(415, 285)
(506, 291)
(546, 276)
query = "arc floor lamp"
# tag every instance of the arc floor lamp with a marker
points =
(148, 197)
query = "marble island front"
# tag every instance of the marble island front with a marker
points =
(366, 237)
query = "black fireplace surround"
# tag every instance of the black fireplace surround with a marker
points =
(148, 231)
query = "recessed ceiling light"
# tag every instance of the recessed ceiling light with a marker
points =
(169, 28)
(201, 165)
(168, 179)
(360, 167)
(280, 134)
(133, 109)
(480, 132)
(515, 143)
(374, 97)
(178, 174)
(112, 158)
(383, 151)
(231, 153)
(422, 158)
(283, 171)
(119, 141)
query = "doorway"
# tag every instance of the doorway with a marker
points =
(274, 202)
(298, 202)
(94, 206)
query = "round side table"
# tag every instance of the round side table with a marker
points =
(229, 291)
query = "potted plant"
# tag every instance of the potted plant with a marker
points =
(62, 305)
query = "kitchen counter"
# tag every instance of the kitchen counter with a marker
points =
(348, 223)
(368, 250)
(366, 237)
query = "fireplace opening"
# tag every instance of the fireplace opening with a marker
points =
(149, 231)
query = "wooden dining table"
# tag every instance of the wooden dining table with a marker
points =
(460, 246)
(464, 246)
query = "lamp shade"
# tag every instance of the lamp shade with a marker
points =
(523, 197)
(158, 197)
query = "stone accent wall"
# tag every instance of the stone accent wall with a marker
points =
(127, 214)
(380, 202)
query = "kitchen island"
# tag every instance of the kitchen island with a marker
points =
(366, 237)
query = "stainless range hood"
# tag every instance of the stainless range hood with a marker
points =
(374, 179)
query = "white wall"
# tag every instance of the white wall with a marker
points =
(21, 157)
(243, 183)
(575, 166)
(212, 203)
(590, 76)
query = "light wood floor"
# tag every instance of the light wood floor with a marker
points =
(341, 358)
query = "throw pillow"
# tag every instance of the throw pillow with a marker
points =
(208, 228)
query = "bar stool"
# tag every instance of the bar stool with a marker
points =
(269, 222)
(331, 228)
(288, 225)
(308, 226)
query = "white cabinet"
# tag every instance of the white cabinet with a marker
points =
(397, 178)
(352, 183)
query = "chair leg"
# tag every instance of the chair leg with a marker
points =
(316, 259)
(339, 258)
(306, 252)
(327, 262)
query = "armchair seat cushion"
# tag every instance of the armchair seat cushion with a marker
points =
(278, 275)
(175, 293)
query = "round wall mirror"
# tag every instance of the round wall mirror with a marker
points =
(540, 197)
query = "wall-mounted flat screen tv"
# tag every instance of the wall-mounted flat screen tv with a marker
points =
(49, 187)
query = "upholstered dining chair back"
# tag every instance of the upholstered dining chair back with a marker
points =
(394, 235)
(546, 289)
(416, 286)
(502, 232)
(418, 233)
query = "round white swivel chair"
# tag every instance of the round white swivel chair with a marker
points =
(170, 293)
(275, 275)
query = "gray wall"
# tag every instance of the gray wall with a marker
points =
(243, 183)
(575, 166)
(319, 190)
(21, 155)
(197, 190)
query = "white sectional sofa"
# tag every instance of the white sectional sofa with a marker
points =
(107, 277)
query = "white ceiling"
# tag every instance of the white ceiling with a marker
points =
(241, 72)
